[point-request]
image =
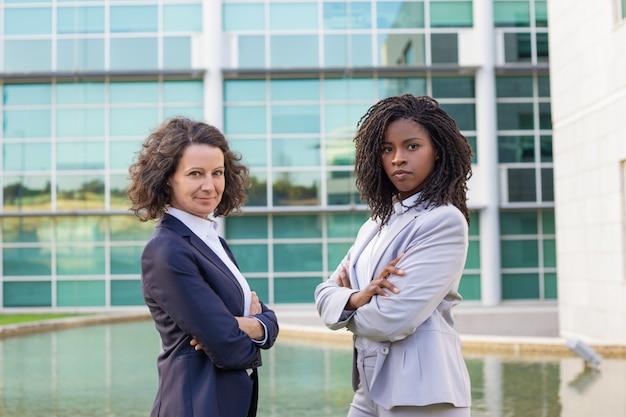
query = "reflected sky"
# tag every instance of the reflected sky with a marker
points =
(110, 370)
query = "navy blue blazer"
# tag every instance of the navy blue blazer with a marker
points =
(191, 293)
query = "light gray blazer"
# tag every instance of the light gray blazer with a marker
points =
(419, 360)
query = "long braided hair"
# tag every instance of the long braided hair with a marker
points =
(448, 181)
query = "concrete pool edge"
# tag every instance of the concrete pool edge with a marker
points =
(322, 335)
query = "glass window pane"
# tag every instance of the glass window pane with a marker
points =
(517, 47)
(400, 50)
(518, 223)
(251, 258)
(183, 91)
(341, 119)
(472, 142)
(297, 226)
(547, 184)
(134, 53)
(80, 260)
(309, 256)
(520, 286)
(295, 290)
(400, 15)
(474, 226)
(445, 14)
(27, 193)
(388, 87)
(26, 262)
(244, 90)
(81, 229)
(349, 89)
(521, 185)
(80, 155)
(341, 188)
(344, 224)
(543, 53)
(133, 121)
(361, 51)
(84, 192)
(464, 114)
(509, 13)
(469, 287)
(177, 52)
(244, 119)
(28, 55)
(80, 54)
(296, 152)
(549, 253)
(473, 255)
(299, 51)
(296, 188)
(26, 156)
(453, 87)
(129, 228)
(336, 252)
(520, 254)
(545, 116)
(339, 150)
(80, 293)
(514, 86)
(80, 20)
(26, 229)
(544, 85)
(27, 94)
(515, 116)
(28, 21)
(253, 151)
(251, 52)
(294, 90)
(31, 123)
(516, 149)
(444, 48)
(133, 19)
(27, 294)
(295, 119)
(80, 93)
(347, 15)
(547, 222)
(550, 284)
(195, 113)
(243, 17)
(282, 16)
(257, 194)
(541, 13)
(182, 17)
(126, 293)
(134, 92)
(122, 154)
(126, 259)
(80, 123)
(119, 184)
(246, 227)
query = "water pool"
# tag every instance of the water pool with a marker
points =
(110, 370)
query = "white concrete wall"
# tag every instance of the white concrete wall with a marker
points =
(588, 89)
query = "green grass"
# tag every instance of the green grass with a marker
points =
(24, 318)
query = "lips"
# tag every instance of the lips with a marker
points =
(400, 174)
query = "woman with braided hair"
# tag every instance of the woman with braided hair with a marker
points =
(397, 285)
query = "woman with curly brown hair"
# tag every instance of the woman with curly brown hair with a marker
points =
(212, 326)
(396, 287)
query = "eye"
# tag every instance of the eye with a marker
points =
(218, 173)
(386, 149)
(413, 146)
(194, 173)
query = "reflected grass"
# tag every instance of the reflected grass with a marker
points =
(6, 319)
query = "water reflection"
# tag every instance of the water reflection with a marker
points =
(109, 370)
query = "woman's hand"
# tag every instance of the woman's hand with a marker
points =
(249, 325)
(376, 287)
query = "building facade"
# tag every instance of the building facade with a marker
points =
(84, 82)
(590, 167)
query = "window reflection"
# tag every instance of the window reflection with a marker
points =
(28, 55)
(134, 53)
(80, 155)
(80, 192)
(80, 54)
(299, 51)
(296, 188)
(26, 262)
(296, 152)
(119, 185)
(26, 229)
(27, 193)
(26, 156)
(30, 123)
(257, 194)
(400, 50)
(80, 229)
(80, 260)
(80, 20)
(341, 188)
(400, 15)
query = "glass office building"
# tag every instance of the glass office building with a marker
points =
(84, 82)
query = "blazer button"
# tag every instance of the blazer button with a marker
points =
(384, 350)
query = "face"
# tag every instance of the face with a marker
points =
(198, 183)
(408, 156)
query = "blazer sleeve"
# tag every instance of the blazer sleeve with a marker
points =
(173, 281)
(435, 250)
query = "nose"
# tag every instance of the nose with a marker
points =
(398, 157)
(208, 185)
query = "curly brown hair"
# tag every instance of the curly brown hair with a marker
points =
(448, 181)
(157, 161)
